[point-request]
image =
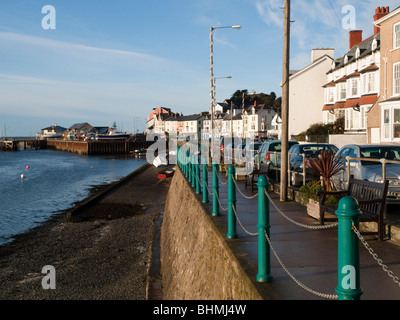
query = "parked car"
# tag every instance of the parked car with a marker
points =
(371, 171)
(310, 150)
(266, 153)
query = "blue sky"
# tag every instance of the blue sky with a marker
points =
(116, 60)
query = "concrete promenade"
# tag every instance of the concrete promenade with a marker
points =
(309, 255)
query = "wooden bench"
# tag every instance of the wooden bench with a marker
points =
(371, 197)
(252, 179)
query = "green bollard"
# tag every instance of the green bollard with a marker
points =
(348, 212)
(190, 168)
(193, 171)
(231, 204)
(178, 152)
(187, 165)
(215, 212)
(263, 226)
(197, 177)
(205, 183)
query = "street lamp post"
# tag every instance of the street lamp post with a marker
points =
(212, 79)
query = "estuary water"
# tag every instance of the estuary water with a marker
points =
(52, 182)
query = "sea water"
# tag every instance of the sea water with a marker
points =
(36, 184)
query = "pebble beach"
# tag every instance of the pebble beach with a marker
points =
(102, 251)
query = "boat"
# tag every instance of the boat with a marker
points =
(112, 135)
(50, 135)
(166, 173)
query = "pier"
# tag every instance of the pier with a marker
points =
(16, 144)
(79, 147)
(98, 147)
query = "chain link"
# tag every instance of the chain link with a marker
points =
(219, 179)
(313, 227)
(323, 295)
(223, 209)
(247, 197)
(245, 230)
(375, 256)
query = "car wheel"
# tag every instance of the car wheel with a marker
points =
(293, 180)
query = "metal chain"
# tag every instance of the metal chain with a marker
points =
(247, 197)
(208, 190)
(223, 209)
(219, 179)
(323, 295)
(314, 227)
(375, 256)
(245, 230)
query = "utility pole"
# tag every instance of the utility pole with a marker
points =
(285, 102)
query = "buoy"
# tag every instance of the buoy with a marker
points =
(22, 176)
(27, 167)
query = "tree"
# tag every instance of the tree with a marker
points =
(261, 98)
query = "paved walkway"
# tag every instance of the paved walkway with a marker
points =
(309, 255)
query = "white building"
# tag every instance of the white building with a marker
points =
(306, 91)
(353, 83)
(257, 120)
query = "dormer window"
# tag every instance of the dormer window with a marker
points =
(357, 53)
(374, 44)
(346, 59)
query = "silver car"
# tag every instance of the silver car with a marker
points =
(369, 170)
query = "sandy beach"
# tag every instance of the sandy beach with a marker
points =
(102, 251)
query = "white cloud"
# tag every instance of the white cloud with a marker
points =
(270, 11)
(70, 47)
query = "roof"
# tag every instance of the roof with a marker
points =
(101, 129)
(368, 99)
(56, 128)
(313, 64)
(79, 125)
(192, 117)
(365, 49)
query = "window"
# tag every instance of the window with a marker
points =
(368, 82)
(354, 87)
(396, 123)
(342, 91)
(330, 97)
(347, 124)
(396, 79)
(396, 40)
(371, 82)
(386, 123)
(355, 121)
(363, 112)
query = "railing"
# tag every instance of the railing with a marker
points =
(348, 214)
(348, 159)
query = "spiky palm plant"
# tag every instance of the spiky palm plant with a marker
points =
(326, 165)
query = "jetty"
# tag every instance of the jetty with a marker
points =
(79, 147)
(23, 143)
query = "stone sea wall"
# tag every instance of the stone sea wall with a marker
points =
(196, 262)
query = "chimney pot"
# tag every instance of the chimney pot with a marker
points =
(379, 13)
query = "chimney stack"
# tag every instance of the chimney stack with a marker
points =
(380, 12)
(355, 37)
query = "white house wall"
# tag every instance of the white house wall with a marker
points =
(306, 95)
